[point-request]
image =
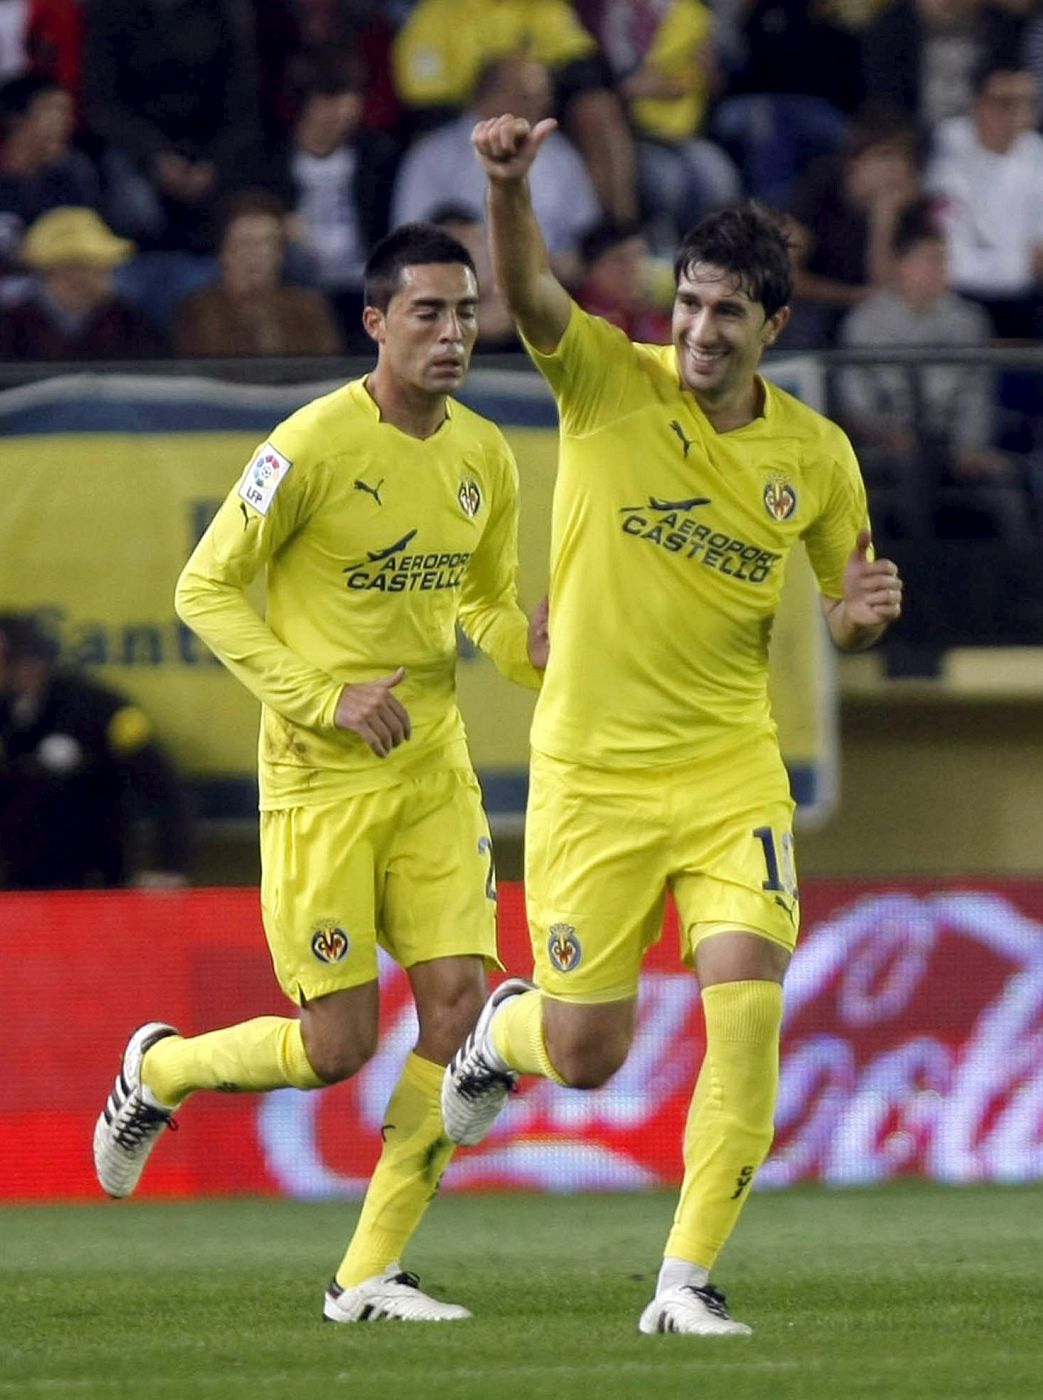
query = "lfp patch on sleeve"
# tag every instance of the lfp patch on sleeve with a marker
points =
(263, 477)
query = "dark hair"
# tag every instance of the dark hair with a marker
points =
(408, 246)
(749, 241)
(244, 202)
(915, 224)
(881, 124)
(18, 94)
(989, 65)
(325, 72)
(22, 637)
(610, 233)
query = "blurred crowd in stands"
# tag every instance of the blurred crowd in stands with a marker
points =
(230, 162)
(206, 177)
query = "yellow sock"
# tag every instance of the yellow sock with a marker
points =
(416, 1153)
(266, 1053)
(731, 1119)
(517, 1036)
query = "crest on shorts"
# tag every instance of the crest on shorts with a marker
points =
(563, 947)
(330, 943)
(780, 498)
(470, 498)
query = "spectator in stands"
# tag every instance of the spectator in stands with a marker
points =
(287, 28)
(79, 765)
(496, 330)
(39, 170)
(73, 311)
(251, 309)
(920, 57)
(445, 46)
(986, 171)
(662, 57)
(442, 162)
(786, 102)
(170, 89)
(924, 432)
(617, 284)
(338, 175)
(843, 217)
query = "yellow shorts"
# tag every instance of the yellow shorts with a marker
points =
(408, 867)
(603, 847)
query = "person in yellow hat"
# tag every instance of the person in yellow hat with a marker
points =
(74, 311)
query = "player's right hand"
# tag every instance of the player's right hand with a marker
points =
(370, 710)
(507, 146)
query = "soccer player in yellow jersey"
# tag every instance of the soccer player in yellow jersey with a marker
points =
(685, 479)
(382, 515)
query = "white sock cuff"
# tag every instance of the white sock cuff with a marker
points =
(681, 1273)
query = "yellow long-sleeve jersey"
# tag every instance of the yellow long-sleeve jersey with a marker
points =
(374, 545)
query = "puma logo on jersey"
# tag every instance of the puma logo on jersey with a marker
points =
(373, 491)
(685, 441)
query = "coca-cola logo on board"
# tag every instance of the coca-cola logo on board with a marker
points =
(912, 1044)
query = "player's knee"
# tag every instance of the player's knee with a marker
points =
(336, 1058)
(446, 1023)
(587, 1063)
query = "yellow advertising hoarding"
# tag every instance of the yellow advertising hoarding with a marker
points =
(106, 482)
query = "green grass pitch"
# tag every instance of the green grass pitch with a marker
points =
(909, 1291)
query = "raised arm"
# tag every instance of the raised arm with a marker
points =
(506, 148)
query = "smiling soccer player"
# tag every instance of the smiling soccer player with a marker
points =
(685, 480)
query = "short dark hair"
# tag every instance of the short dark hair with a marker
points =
(881, 124)
(408, 246)
(324, 72)
(991, 64)
(749, 241)
(916, 223)
(245, 202)
(22, 638)
(17, 95)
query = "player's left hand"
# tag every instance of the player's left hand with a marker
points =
(872, 587)
(539, 636)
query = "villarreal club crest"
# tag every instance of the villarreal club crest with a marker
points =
(563, 947)
(780, 498)
(330, 943)
(470, 498)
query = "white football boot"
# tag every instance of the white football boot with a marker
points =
(476, 1083)
(699, 1311)
(393, 1296)
(132, 1119)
